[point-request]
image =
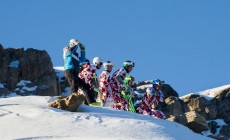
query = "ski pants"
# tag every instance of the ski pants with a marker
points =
(75, 82)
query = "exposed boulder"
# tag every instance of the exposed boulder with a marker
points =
(198, 104)
(31, 65)
(189, 98)
(225, 131)
(223, 94)
(174, 106)
(210, 112)
(222, 102)
(201, 105)
(168, 91)
(70, 103)
(217, 107)
(192, 120)
(213, 126)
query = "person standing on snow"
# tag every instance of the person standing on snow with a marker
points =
(152, 99)
(117, 81)
(157, 84)
(104, 85)
(72, 68)
(128, 93)
(88, 73)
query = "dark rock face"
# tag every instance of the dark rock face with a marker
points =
(30, 65)
(168, 91)
(216, 108)
(225, 131)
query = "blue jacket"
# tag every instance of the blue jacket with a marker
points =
(71, 58)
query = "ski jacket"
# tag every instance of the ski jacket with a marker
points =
(104, 85)
(71, 58)
(146, 107)
(158, 93)
(88, 74)
(117, 85)
(117, 79)
(147, 103)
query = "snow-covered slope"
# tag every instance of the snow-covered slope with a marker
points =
(29, 117)
(209, 93)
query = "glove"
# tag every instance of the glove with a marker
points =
(96, 90)
(82, 47)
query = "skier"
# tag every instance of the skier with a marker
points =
(104, 85)
(151, 100)
(88, 72)
(117, 85)
(89, 76)
(72, 68)
(128, 93)
(157, 84)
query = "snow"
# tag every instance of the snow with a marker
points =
(23, 83)
(2, 85)
(144, 86)
(210, 93)
(29, 117)
(59, 71)
(220, 122)
(14, 64)
(27, 88)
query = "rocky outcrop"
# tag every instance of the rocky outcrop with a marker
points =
(214, 108)
(192, 120)
(168, 91)
(219, 132)
(196, 111)
(35, 66)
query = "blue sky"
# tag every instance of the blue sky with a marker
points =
(186, 43)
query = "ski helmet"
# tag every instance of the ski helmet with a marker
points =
(106, 64)
(128, 63)
(73, 42)
(97, 61)
(157, 82)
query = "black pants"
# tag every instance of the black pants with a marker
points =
(75, 82)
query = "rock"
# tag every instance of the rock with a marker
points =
(192, 120)
(224, 106)
(227, 96)
(225, 131)
(9, 71)
(168, 91)
(221, 95)
(32, 65)
(211, 112)
(173, 107)
(213, 126)
(199, 105)
(70, 103)
(196, 122)
(189, 98)
(179, 119)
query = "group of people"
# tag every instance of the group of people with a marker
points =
(107, 90)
